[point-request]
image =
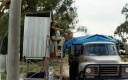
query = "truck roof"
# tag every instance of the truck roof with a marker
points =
(99, 42)
(91, 38)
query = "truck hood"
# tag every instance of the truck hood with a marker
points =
(103, 59)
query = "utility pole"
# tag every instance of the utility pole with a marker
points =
(14, 40)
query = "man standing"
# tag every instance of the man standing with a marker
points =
(68, 36)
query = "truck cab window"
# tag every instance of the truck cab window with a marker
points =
(99, 49)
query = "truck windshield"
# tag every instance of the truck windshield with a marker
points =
(100, 49)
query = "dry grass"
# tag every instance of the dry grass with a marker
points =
(33, 68)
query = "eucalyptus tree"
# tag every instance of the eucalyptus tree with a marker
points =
(82, 29)
(125, 11)
(66, 14)
(122, 30)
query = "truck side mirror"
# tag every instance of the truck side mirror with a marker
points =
(119, 52)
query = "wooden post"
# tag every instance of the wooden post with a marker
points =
(14, 40)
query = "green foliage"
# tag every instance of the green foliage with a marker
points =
(125, 10)
(4, 24)
(29, 6)
(4, 45)
(47, 5)
(121, 45)
(38, 5)
(65, 14)
(3, 34)
(82, 29)
(122, 30)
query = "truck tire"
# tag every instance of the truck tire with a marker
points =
(81, 75)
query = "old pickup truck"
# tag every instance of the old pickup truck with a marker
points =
(100, 60)
(95, 57)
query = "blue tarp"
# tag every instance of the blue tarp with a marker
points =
(92, 38)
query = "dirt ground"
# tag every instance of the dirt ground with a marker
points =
(65, 71)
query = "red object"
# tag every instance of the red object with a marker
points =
(53, 55)
(125, 60)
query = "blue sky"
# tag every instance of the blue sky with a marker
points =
(100, 16)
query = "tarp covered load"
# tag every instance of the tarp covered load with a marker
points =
(91, 38)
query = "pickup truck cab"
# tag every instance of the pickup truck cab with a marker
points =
(100, 60)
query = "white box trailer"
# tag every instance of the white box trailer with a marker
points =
(36, 30)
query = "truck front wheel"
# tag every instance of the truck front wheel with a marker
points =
(81, 75)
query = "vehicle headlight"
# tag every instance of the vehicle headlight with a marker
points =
(126, 70)
(88, 70)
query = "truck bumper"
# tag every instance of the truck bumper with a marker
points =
(105, 72)
(103, 79)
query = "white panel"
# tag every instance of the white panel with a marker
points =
(2, 63)
(36, 30)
